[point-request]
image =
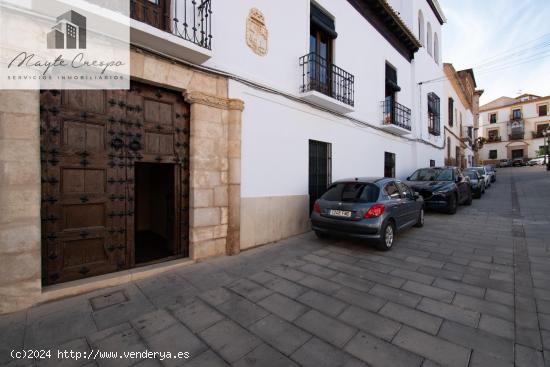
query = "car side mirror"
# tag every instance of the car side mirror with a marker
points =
(458, 179)
(408, 178)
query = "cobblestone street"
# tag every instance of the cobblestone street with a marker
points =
(471, 289)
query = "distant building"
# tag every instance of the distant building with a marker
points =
(462, 102)
(69, 32)
(513, 127)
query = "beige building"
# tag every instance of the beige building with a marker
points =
(460, 126)
(512, 127)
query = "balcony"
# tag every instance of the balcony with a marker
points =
(326, 84)
(537, 134)
(516, 136)
(396, 118)
(494, 139)
(179, 28)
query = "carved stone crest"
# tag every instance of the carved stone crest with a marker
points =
(256, 32)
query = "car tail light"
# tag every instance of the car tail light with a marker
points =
(375, 211)
(317, 207)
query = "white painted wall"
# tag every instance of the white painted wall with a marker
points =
(276, 130)
(275, 145)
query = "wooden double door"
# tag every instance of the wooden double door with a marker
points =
(92, 142)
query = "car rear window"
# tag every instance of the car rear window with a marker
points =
(472, 175)
(355, 192)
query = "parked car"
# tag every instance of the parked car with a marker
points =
(539, 161)
(518, 162)
(442, 187)
(492, 172)
(505, 163)
(477, 183)
(482, 170)
(367, 208)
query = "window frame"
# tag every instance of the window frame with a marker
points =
(538, 109)
(490, 118)
(434, 114)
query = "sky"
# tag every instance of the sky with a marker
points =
(507, 42)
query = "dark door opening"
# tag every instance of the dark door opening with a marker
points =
(320, 170)
(517, 153)
(155, 212)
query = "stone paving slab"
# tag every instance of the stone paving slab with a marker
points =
(466, 290)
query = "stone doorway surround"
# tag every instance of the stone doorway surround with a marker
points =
(215, 160)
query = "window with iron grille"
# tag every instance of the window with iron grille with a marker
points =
(432, 162)
(389, 164)
(434, 114)
(543, 110)
(320, 169)
(451, 109)
(493, 154)
(493, 118)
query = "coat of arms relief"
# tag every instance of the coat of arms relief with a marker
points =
(256, 32)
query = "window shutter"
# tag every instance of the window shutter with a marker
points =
(323, 21)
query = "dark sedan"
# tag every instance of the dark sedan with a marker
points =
(442, 187)
(477, 183)
(367, 208)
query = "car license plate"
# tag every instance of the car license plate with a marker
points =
(340, 213)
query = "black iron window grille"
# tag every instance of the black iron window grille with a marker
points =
(320, 169)
(321, 76)
(434, 127)
(396, 114)
(191, 20)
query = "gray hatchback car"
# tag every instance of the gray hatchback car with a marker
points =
(367, 208)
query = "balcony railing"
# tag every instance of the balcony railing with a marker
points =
(321, 76)
(494, 139)
(518, 136)
(537, 134)
(190, 20)
(396, 114)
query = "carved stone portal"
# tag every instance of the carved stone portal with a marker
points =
(256, 32)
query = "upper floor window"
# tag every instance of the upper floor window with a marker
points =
(436, 48)
(451, 109)
(493, 118)
(421, 36)
(433, 114)
(321, 35)
(516, 114)
(429, 39)
(543, 110)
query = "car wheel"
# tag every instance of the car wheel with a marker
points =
(452, 204)
(478, 194)
(420, 221)
(388, 236)
(469, 199)
(321, 235)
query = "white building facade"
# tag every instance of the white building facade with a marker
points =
(292, 109)
(461, 102)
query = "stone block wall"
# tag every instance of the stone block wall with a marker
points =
(214, 170)
(20, 252)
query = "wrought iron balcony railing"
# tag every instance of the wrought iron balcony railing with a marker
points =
(321, 76)
(537, 134)
(493, 139)
(396, 114)
(190, 20)
(517, 136)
